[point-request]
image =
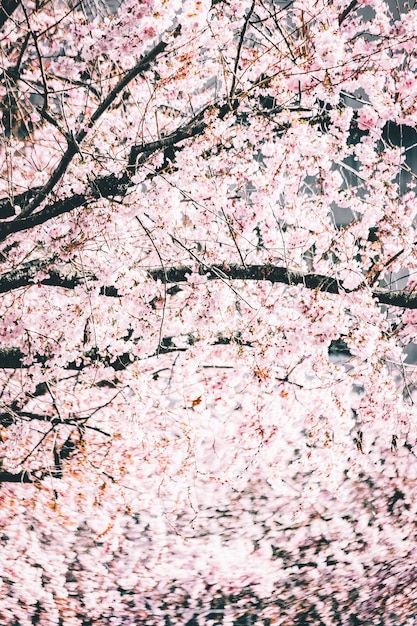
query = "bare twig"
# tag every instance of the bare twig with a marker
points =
(239, 50)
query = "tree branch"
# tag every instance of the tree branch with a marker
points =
(239, 51)
(73, 147)
(196, 126)
(11, 417)
(23, 275)
(7, 206)
(50, 211)
(275, 274)
(11, 358)
(102, 187)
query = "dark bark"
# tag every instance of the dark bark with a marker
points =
(52, 210)
(11, 358)
(24, 276)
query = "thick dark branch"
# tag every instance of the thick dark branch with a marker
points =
(275, 274)
(404, 299)
(34, 476)
(12, 358)
(23, 275)
(11, 417)
(101, 187)
(7, 205)
(112, 185)
(50, 211)
(140, 67)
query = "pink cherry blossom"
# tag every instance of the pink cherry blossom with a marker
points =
(367, 118)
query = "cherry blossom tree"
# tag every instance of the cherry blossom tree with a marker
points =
(208, 242)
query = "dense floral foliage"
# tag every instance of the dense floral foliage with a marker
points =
(208, 243)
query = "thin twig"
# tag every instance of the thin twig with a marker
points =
(148, 234)
(239, 50)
